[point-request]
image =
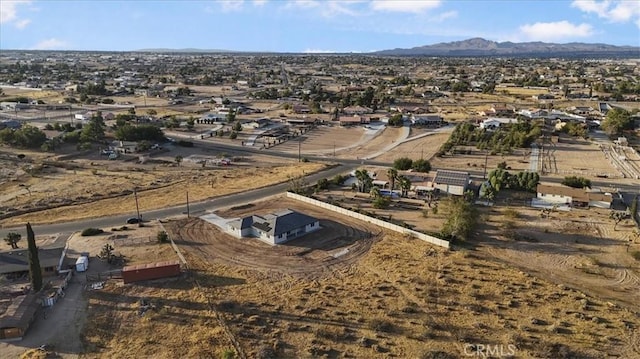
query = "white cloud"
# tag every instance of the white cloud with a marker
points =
(413, 6)
(9, 12)
(319, 51)
(620, 11)
(231, 5)
(21, 24)
(259, 2)
(327, 8)
(445, 15)
(51, 44)
(550, 31)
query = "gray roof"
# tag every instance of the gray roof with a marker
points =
(20, 312)
(276, 223)
(452, 178)
(17, 260)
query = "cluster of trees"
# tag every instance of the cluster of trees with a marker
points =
(405, 163)
(502, 140)
(25, 137)
(93, 89)
(500, 179)
(617, 121)
(129, 132)
(576, 182)
(396, 120)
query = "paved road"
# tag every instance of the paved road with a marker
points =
(194, 208)
(534, 159)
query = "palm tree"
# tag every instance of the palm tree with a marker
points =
(364, 181)
(375, 192)
(392, 173)
(405, 185)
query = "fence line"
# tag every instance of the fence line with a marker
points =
(369, 219)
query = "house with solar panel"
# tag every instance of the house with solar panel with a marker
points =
(274, 228)
(452, 182)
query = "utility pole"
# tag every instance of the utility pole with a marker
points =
(422, 152)
(334, 149)
(299, 144)
(135, 195)
(188, 216)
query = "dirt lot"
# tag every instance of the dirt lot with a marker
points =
(407, 299)
(580, 249)
(323, 139)
(340, 242)
(424, 147)
(101, 185)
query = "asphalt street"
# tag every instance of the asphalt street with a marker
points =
(195, 208)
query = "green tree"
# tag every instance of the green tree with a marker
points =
(396, 120)
(381, 202)
(461, 219)
(178, 159)
(12, 239)
(576, 182)
(421, 165)
(162, 237)
(617, 120)
(93, 131)
(35, 271)
(364, 180)
(392, 173)
(237, 126)
(191, 122)
(405, 185)
(231, 116)
(402, 163)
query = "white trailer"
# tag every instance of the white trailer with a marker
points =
(82, 264)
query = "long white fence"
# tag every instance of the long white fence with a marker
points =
(365, 218)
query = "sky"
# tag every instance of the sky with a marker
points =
(312, 26)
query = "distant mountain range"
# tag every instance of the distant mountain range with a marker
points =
(162, 50)
(481, 47)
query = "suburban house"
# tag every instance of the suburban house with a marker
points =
(304, 121)
(498, 110)
(356, 110)
(573, 197)
(354, 120)
(428, 120)
(83, 116)
(274, 228)
(452, 182)
(15, 262)
(493, 123)
(257, 123)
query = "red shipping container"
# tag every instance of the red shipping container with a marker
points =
(150, 271)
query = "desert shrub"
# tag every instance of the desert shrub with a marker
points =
(338, 179)
(233, 135)
(91, 231)
(636, 255)
(381, 325)
(381, 202)
(163, 237)
(228, 354)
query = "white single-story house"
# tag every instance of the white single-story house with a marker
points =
(493, 123)
(274, 228)
(452, 182)
(573, 197)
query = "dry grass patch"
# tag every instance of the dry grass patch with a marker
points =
(200, 184)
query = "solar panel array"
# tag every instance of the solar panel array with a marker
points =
(452, 178)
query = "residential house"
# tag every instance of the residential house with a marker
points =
(427, 120)
(257, 123)
(15, 262)
(573, 197)
(354, 120)
(123, 146)
(499, 110)
(493, 123)
(452, 182)
(274, 228)
(18, 316)
(356, 110)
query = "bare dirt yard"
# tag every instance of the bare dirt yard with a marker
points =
(424, 147)
(404, 298)
(322, 140)
(580, 249)
(80, 188)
